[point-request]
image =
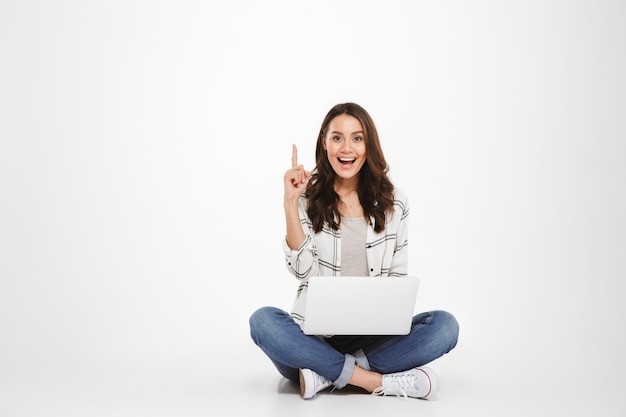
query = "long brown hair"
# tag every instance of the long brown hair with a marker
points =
(374, 188)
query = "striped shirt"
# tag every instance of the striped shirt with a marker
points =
(320, 253)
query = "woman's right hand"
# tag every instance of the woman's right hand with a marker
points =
(296, 178)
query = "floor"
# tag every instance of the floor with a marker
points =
(144, 388)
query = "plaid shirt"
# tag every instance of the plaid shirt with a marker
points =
(320, 253)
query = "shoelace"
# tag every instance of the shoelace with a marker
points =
(401, 394)
(398, 387)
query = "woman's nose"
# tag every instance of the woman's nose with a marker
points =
(346, 145)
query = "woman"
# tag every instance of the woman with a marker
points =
(346, 218)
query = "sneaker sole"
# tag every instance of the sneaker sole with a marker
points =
(303, 385)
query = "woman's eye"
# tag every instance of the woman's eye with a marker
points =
(358, 138)
(337, 138)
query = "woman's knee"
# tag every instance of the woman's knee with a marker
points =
(260, 314)
(448, 325)
(261, 320)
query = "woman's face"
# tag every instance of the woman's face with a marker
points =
(345, 145)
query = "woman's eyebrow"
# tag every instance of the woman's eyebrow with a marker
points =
(358, 132)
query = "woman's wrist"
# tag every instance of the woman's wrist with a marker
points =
(290, 204)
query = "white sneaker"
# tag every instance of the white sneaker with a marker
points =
(312, 383)
(419, 383)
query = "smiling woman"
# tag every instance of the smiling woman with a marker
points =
(347, 218)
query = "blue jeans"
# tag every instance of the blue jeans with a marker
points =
(432, 335)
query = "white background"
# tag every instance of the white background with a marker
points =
(142, 148)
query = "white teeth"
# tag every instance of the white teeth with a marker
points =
(347, 159)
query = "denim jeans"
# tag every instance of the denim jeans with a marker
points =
(432, 335)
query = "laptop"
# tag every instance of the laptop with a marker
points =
(360, 305)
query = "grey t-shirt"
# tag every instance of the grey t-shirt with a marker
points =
(353, 257)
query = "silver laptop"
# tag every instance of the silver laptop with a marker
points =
(360, 305)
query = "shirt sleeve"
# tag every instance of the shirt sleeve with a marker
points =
(302, 262)
(400, 260)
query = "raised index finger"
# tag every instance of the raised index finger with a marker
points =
(294, 156)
